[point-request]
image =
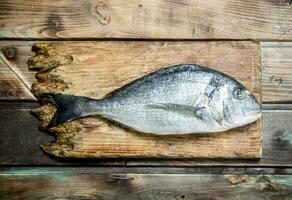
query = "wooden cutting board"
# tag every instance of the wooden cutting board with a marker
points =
(94, 69)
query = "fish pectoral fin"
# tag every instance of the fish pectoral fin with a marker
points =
(218, 117)
(187, 110)
(199, 112)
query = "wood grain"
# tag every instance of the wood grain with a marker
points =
(276, 146)
(276, 140)
(188, 19)
(15, 79)
(21, 138)
(57, 184)
(276, 71)
(111, 65)
(276, 58)
(145, 170)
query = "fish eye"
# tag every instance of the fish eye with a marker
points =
(238, 93)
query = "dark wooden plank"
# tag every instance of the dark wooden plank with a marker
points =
(276, 71)
(20, 140)
(188, 19)
(57, 184)
(18, 126)
(145, 170)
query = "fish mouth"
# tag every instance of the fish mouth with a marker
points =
(254, 114)
(256, 111)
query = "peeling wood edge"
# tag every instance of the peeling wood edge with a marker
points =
(143, 170)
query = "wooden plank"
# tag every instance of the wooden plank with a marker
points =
(92, 137)
(276, 71)
(277, 106)
(20, 140)
(57, 184)
(145, 170)
(276, 140)
(15, 79)
(276, 145)
(276, 126)
(188, 19)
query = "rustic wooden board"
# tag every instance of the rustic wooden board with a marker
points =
(276, 70)
(188, 19)
(70, 68)
(276, 140)
(58, 184)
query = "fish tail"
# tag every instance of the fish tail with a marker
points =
(69, 107)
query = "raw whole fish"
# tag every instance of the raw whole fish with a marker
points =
(180, 99)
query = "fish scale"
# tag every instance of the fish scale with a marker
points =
(180, 99)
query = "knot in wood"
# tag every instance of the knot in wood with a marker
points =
(11, 92)
(279, 81)
(102, 13)
(182, 196)
(10, 52)
(55, 23)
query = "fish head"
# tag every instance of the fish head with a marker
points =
(235, 105)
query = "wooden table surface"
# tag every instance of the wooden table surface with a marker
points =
(27, 172)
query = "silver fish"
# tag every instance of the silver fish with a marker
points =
(180, 99)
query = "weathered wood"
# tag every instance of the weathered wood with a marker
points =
(21, 64)
(18, 126)
(20, 141)
(188, 19)
(92, 137)
(57, 184)
(15, 79)
(145, 170)
(277, 106)
(276, 146)
(276, 71)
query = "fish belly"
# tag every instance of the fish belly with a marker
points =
(162, 122)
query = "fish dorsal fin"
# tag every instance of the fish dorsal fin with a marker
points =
(187, 110)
